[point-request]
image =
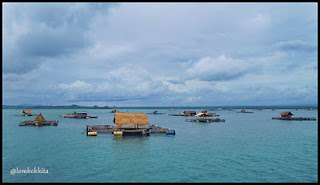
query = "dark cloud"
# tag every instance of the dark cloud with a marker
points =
(136, 53)
(49, 30)
(296, 46)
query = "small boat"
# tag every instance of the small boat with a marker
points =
(155, 113)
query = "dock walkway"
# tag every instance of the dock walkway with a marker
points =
(297, 118)
(112, 129)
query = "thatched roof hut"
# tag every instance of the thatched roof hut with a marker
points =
(27, 111)
(189, 113)
(127, 119)
(286, 114)
(40, 118)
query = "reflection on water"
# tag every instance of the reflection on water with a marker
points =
(130, 147)
(137, 139)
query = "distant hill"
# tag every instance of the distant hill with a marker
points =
(52, 107)
(161, 107)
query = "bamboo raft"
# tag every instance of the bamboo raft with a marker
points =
(286, 115)
(39, 123)
(26, 115)
(243, 111)
(78, 114)
(206, 120)
(75, 116)
(296, 118)
(181, 115)
(175, 115)
(127, 131)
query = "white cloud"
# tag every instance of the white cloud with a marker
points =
(75, 86)
(216, 69)
(160, 53)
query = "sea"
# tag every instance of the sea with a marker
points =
(245, 148)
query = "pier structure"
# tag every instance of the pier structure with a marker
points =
(128, 124)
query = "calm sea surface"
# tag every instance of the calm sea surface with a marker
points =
(245, 148)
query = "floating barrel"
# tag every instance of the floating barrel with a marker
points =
(118, 133)
(92, 133)
(171, 132)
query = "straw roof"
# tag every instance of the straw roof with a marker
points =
(189, 112)
(123, 119)
(286, 113)
(27, 111)
(40, 118)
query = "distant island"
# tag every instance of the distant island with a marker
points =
(161, 107)
(52, 107)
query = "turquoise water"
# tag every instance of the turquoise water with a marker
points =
(245, 148)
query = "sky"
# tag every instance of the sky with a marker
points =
(159, 54)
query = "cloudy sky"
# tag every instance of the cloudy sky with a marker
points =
(160, 54)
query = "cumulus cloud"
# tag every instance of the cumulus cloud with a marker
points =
(159, 53)
(75, 86)
(216, 69)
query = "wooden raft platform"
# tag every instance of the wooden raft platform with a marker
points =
(74, 116)
(206, 120)
(128, 131)
(26, 115)
(39, 123)
(297, 118)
